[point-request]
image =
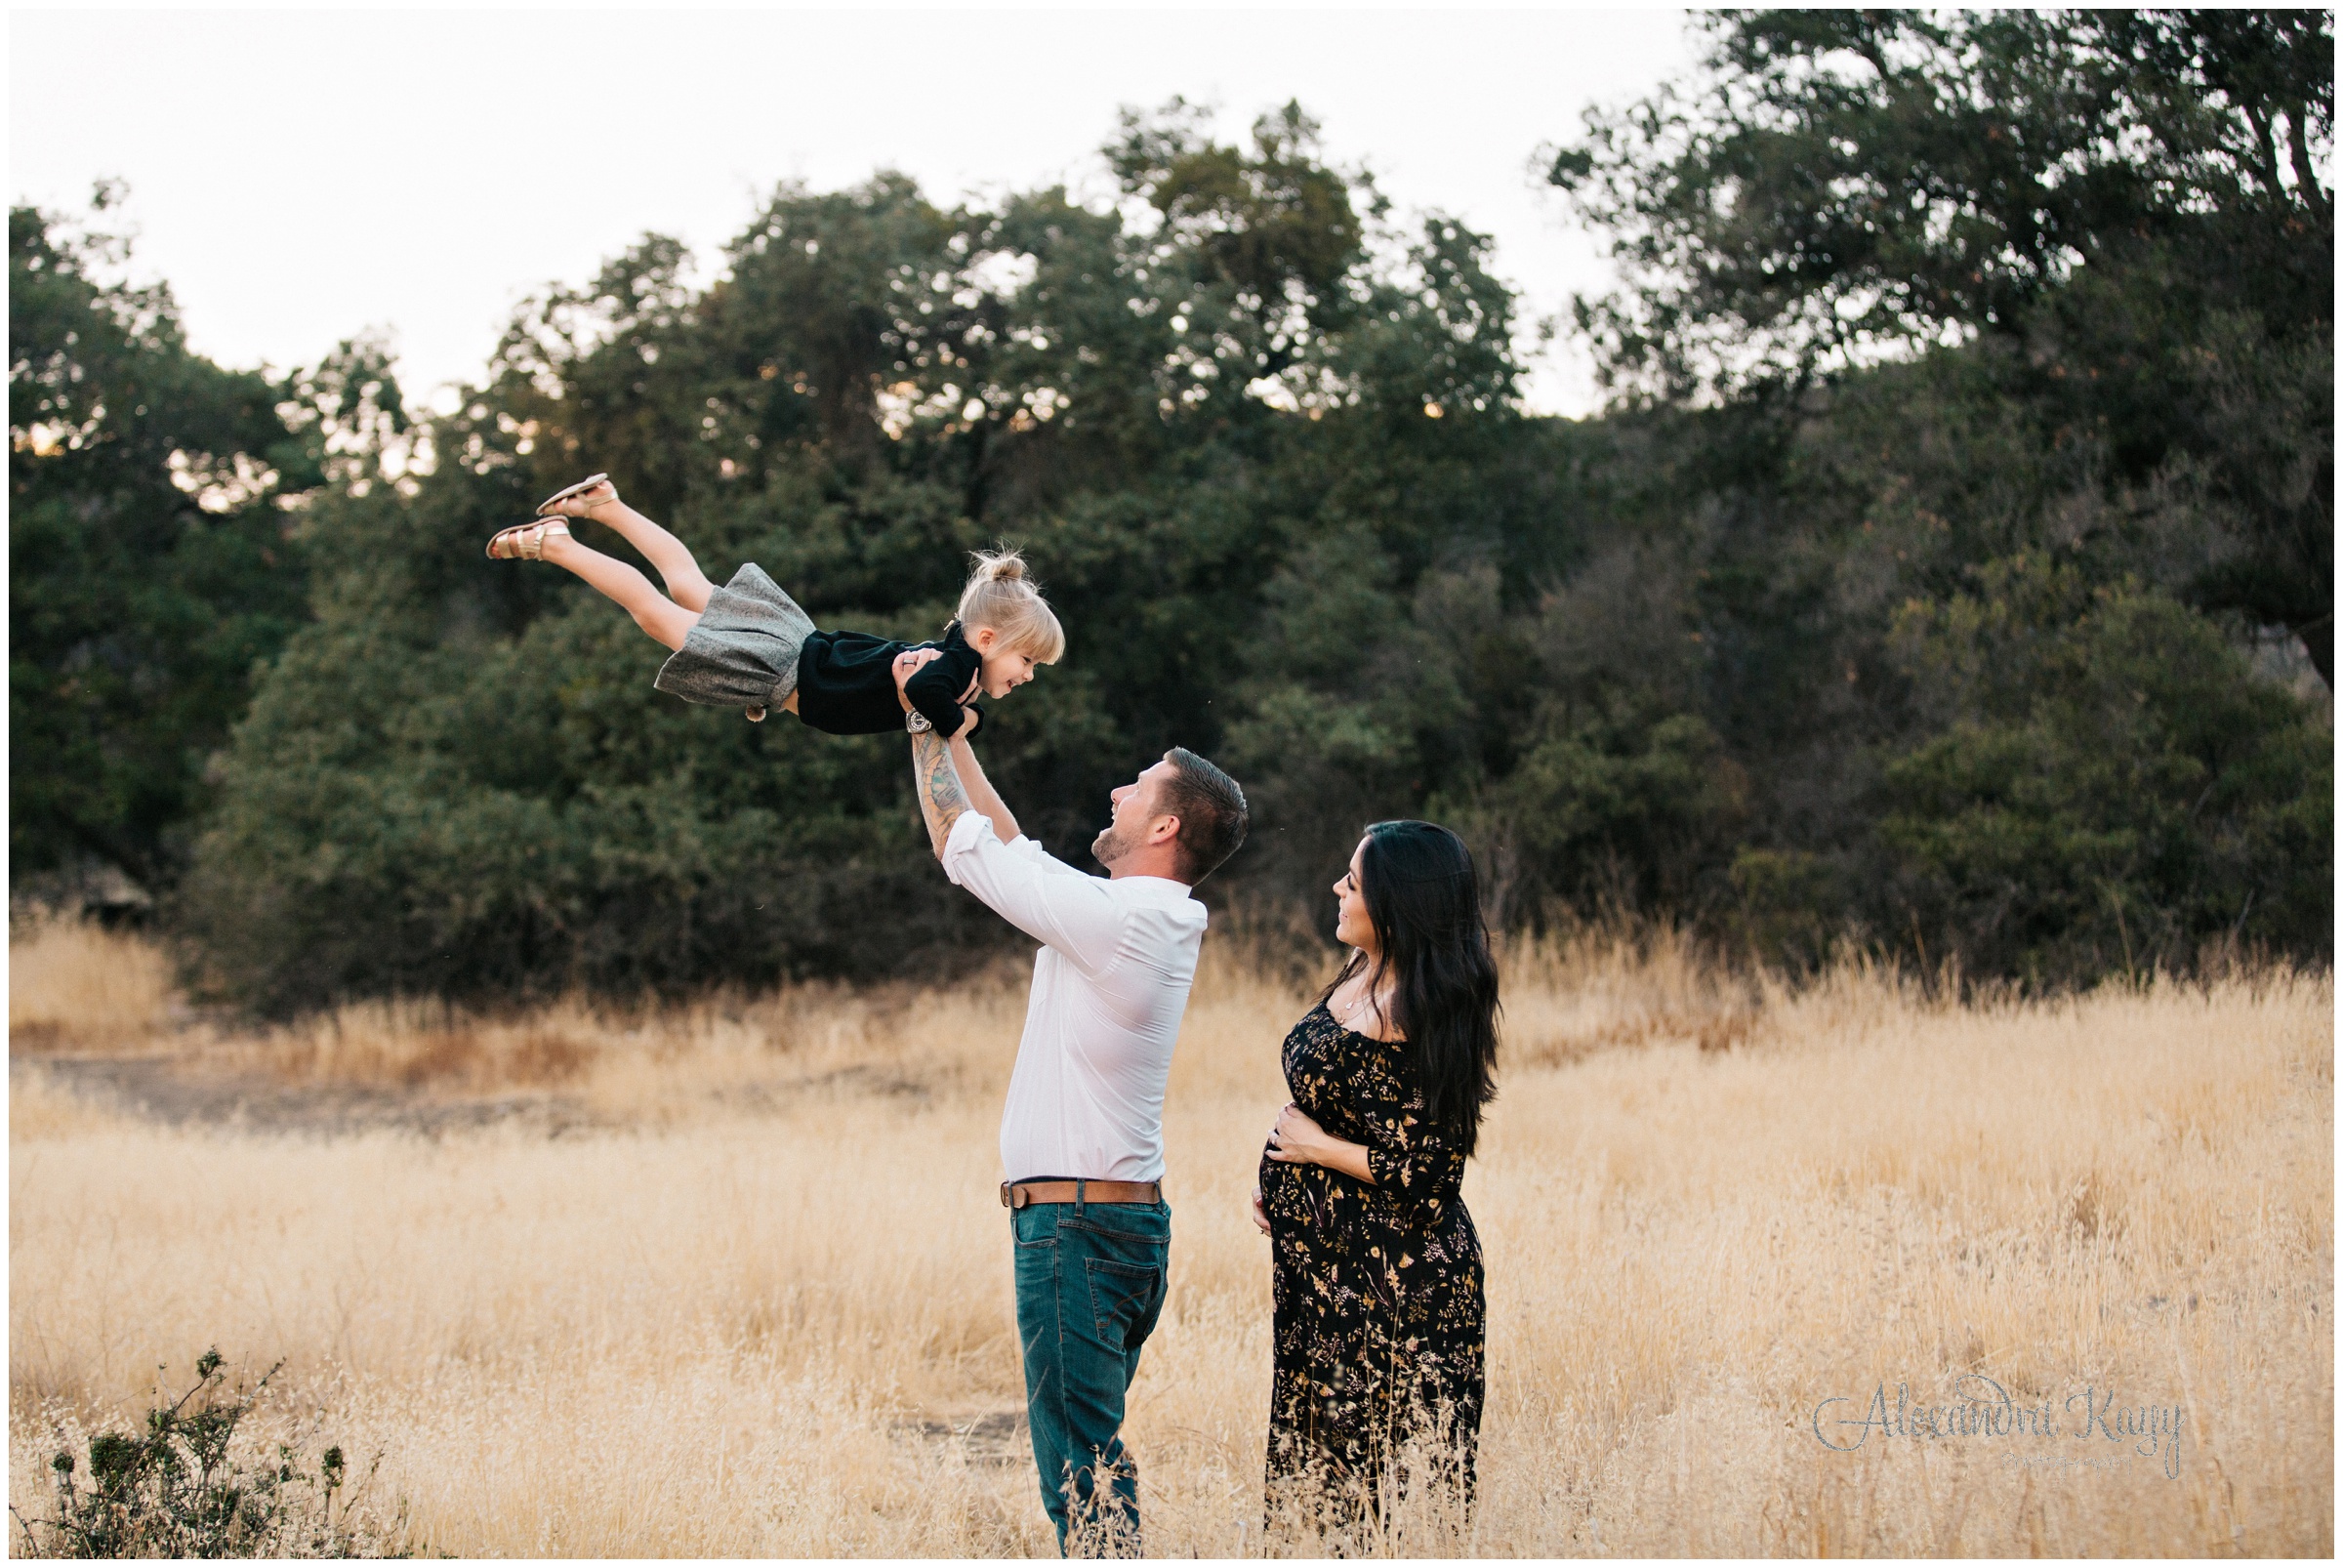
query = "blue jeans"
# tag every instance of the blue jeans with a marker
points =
(1090, 1289)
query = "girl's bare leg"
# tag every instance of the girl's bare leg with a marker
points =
(686, 583)
(663, 618)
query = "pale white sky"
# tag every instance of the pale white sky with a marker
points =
(299, 176)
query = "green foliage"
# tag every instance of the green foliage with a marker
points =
(1840, 180)
(2131, 198)
(1630, 809)
(1987, 303)
(1910, 597)
(458, 777)
(151, 561)
(2113, 790)
(185, 1488)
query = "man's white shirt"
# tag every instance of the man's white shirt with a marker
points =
(1109, 986)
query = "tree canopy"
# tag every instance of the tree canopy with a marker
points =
(1949, 614)
(2127, 204)
(150, 559)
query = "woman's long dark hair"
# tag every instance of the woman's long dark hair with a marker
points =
(1424, 903)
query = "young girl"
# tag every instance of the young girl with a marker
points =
(747, 645)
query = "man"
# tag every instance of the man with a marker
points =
(1081, 1136)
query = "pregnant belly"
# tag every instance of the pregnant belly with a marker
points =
(1302, 1197)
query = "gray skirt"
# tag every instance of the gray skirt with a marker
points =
(744, 652)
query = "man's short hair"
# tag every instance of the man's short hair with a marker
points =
(1211, 809)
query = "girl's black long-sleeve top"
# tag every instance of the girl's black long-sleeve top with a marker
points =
(846, 682)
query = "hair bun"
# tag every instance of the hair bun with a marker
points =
(993, 566)
(1002, 595)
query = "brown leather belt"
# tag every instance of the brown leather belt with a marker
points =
(1017, 1194)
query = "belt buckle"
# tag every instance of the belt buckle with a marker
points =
(1014, 1196)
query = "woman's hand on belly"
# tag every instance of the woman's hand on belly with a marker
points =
(1299, 1201)
(1278, 1195)
(1299, 1140)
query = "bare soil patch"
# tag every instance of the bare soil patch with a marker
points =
(180, 1093)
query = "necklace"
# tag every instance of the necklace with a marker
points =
(1351, 1012)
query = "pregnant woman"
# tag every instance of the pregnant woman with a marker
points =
(1378, 1283)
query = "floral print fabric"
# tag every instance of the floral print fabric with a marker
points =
(1379, 1327)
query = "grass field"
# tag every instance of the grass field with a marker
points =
(732, 1279)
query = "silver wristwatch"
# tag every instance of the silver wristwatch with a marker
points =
(916, 722)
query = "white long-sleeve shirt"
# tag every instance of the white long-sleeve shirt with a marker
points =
(1109, 986)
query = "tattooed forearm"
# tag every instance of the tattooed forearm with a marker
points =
(942, 801)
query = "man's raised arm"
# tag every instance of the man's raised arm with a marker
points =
(980, 792)
(1046, 899)
(951, 784)
(942, 800)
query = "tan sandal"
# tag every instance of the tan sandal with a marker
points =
(525, 541)
(545, 509)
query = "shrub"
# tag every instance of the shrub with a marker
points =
(185, 1488)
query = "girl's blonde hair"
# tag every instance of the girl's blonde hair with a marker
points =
(1000, 595)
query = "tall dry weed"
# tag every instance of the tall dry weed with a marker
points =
(1597, 987)
(75, 985)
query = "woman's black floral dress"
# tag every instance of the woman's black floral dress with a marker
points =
(1380, 1314)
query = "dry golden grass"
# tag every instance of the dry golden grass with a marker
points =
(76, 984)
(732, 1279)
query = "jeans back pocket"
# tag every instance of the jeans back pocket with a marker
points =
(1125, 1300)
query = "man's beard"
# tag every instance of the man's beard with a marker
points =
(1106, 848)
